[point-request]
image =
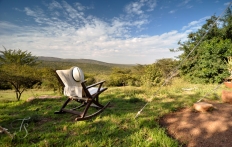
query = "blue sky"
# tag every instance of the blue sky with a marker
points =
(113, 31)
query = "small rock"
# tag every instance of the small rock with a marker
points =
(227, 96)
(202, 106)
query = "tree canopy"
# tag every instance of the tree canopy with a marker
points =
(17, 57)
(16, 68)
(207, 63)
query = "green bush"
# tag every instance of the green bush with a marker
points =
(152, 76)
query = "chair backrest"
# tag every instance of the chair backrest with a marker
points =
(72, 79)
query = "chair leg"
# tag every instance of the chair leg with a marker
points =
(82, 105)
(86, 109)
(64, 105)
(96, 103)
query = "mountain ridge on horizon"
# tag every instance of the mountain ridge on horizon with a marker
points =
(89, 61)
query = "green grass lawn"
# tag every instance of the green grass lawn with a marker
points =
(116, 126)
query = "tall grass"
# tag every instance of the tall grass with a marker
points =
(116, 126)
(9, 95)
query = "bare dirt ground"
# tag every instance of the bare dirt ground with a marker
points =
(198, 129)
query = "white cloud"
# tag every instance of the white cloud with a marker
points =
(30, 12)
(183, 3)
(72, 12)
(134, 8)
(172, 11)
(91, 42)
(195, 25)
(81, 36)
(54, 5)
(140, 6)
(79, 6)
(151, 4)
(189, 6)
(226, 4)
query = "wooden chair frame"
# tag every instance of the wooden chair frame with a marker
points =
(88, 99)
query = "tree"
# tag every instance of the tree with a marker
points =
(16, 68)
(206, 63)
(167, 66)
(17, 57)
(119, 77)
(49, 79)
(209, 65)
(20, 77)
(227, 25)
(152, 75)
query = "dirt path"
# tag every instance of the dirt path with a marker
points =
(195, 129)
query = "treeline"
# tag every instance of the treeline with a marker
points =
(143, 75)
(114, 75)
(19, 70)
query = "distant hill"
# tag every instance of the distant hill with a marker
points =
(89, 61)
(88, 65)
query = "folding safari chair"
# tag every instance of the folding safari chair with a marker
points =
(74, 87)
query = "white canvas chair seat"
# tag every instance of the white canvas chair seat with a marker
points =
(93, 90)
(75, 89)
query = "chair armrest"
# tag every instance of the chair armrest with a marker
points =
(98, 86)
(95, 84)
